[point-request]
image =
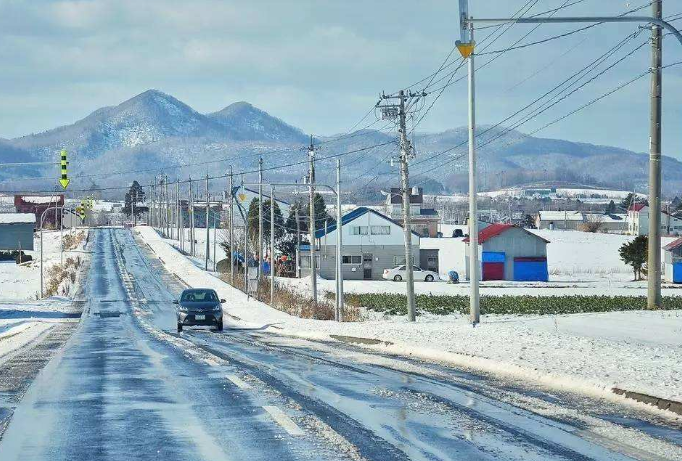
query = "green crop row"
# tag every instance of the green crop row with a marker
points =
(395, 304)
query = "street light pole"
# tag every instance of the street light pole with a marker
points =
(657, 23)
(339, 240)
(474, 299)
(272, 246)
(232, 245)
(654, 247)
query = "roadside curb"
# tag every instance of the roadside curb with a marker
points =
(660, 403)
(663, 404)
(359, 340)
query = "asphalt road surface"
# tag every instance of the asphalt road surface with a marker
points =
(127, 386)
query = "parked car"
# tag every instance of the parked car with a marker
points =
(199, 306)
(397, 274)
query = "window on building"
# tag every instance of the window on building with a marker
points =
(359, 230)
(305, 261)
(381, 230)
(349, 259)
(398, 260)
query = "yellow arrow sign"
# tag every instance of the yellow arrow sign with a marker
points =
(64, 180)
(465, 49)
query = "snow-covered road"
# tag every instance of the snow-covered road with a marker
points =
(127, 386)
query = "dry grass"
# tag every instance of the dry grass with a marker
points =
(294, 303)
(71, 241)
(60, 273)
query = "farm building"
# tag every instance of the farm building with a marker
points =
(37, 204)
(372, 242)
(638, 221)
(672, 261)
(16, 231)
(511, 253)
(559, 220)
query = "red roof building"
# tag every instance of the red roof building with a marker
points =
(37, 204)
(510, 252)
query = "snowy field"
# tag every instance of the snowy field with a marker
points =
(590, 353)
(579, 263)
(24, 318)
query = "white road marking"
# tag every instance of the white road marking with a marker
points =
(283, 420)
(237, 381)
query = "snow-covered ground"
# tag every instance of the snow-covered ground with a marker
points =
(22, 282)
(23, 319)
(592, 353)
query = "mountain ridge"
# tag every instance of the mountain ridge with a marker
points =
(156, 130)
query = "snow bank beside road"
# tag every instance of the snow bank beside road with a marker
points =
(638, 351)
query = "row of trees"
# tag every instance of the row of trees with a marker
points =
(286, 231)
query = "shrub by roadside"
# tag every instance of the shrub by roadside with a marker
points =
(293, 302)
(395, 304)
(61, 277)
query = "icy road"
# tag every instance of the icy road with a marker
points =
(127, 386)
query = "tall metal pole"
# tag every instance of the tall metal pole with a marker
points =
(246, 250)
(298, 244)
(167, 205)
(407, 228)
(339, 240)
(191, 219)
(654, 247)
(474, 308)
(311, 226)
(208, 228)
(177, 212)
(181, 222)
(260, 218)
(216, 223)
(232, 245)
(272, 246)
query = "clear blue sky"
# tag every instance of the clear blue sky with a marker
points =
(317, 64)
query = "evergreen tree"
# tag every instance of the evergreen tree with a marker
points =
(634, 254)
(253, 222)
(135, 193)
(611, 208)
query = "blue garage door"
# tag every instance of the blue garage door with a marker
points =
(677, 273)
(530, 270)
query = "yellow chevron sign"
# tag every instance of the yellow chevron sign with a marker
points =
(64, 179)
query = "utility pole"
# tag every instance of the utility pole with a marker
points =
(339, 275)
(232, 246)
(177, 212)
(191, 218)
(216, 223)
(167, 207)
(298, 244)
(208, 227)
(272, 246)
(654, 247)
(260, 218)
(311, 225)
(246, 249)
(474, 305)
(389, 111)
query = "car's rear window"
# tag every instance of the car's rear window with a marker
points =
(199, 296)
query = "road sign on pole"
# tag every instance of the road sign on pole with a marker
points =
(64, 179)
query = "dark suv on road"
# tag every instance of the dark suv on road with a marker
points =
(200, 306)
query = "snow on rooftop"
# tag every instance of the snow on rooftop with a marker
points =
(40, 199)
(561, 215)
(17, 218)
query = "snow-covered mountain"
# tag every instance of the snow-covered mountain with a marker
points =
(145, 119)
(242, 122)
(155, 133)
